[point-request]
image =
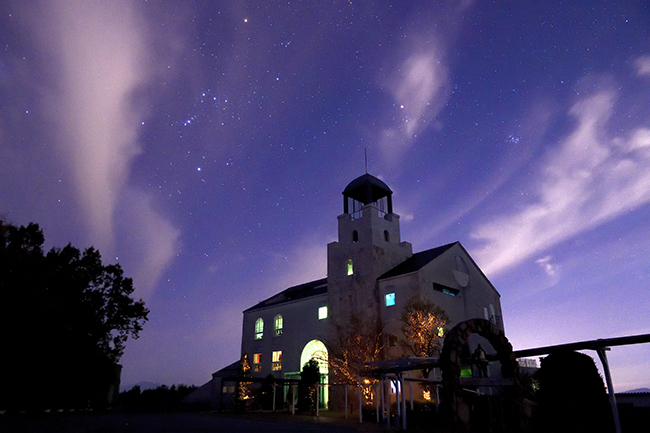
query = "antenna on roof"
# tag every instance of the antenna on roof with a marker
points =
(365, 151)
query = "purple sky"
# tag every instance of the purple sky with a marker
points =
(204, 146)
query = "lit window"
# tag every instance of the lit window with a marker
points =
(446, 290)
(322, 313)
(257, 362)
(259, 328)
(350, 269)
(278, 324)
(277, 360)
(390, 299)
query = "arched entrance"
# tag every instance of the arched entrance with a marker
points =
(455, 405)
(315, 349)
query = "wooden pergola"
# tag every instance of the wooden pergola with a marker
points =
(395, 368)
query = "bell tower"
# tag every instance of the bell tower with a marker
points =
(369, 244)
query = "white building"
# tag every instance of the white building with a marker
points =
(371, 272)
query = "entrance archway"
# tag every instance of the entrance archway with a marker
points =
(315, 349)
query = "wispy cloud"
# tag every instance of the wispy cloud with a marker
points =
(587, 180)
(642, 65)
(550, 268)
(150, 241)
(417, 86)
(98, 49)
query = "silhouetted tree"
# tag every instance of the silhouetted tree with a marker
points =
(309, 377)
(64, 320)
(160, 399)
(572, 395)
(268, 391)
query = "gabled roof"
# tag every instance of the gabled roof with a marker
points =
(417, 261)
(229, 370)
(301, 291)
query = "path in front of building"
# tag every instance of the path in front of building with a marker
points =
(181, 423)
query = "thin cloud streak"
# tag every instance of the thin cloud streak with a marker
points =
(587, 181)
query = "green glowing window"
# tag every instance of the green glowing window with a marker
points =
(322, 313)
(259, 328)
(278, 324)
(390, 299)
(466, 371)
(350, 268)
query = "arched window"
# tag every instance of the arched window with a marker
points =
(355, 236)
(350, 268)
(277, 323)
(315, 349)
(386, 236)
(259, 328)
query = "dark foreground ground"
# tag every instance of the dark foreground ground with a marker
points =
(180, 423)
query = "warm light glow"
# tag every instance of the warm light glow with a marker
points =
(426, 394)
(423, 326)
(277, 360)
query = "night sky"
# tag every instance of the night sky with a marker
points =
(204, 146)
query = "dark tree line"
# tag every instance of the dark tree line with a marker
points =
(161, 399)
(64, 320)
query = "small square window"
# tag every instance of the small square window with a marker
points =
(322, 313)
(390, 299)
(257, 358)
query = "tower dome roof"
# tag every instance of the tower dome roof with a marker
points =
(367, 189)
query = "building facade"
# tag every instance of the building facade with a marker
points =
(371, 273)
